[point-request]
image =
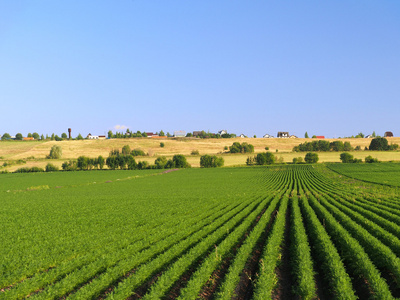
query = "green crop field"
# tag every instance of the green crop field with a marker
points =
(283, 232)
(382, 173)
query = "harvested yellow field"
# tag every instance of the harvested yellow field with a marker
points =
(35, 152)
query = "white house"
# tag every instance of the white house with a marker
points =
(221, 132)
(267, 136)
(242, 135)
(92, 137)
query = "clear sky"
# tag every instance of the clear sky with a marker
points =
(326, 67)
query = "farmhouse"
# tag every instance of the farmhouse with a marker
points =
(242, 136)
(283, 134)
(151, 135)
(197, 133)
(267, 136)
(388, 134)
(293, 137)
(179, 133)
(92, 137)
(221, 132)
(369, 136)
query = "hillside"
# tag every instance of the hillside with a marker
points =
(35, 152)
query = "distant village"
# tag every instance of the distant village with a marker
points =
(161, 134)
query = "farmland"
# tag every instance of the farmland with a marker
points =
(33, 153)
(385, 173)
(282, 232)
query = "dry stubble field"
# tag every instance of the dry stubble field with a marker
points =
(35, 152)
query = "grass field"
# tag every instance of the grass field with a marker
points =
(282, 232)
(33, 153)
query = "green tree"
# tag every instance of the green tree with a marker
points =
(208, 161)
(130, 162)
(35, 135)
(6, 136)
(311, 158)
(160, 162)
(374, 134)
(162, 145)
(110, 134)
(346, 157)
(42, 137)
(55, 152)
(29, 134)
(64, 135)
(79, 137)
(51, 168)
(369, 159)
(180, 161)
(161, 133)
(306, 135)
(18, 137)
(126, 150)
(52, 137)
(379, 144)
(266, 158)
(83, 162)
(347, 146)
(100, 161)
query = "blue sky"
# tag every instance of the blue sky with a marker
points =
(326, 67)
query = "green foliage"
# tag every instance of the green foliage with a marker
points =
(162, 145)
(126, 150)
(5, 136)
(180, 161)
(79, 137)
(64, 135)
(266, 158)
(55, 152)
(241, 148)
(69, 165)
(195, 152)
(160, 162)
(161, 133)
(297, 160)
(346, 157)
(35, 135)
(379, 144)
(211, 161)
(18, 137)
(143, 165)
(266, 148)
(306, 135)
(369, 159)
(100, 162)
(29, 170)
(51, 168)
(311, 158)
(138, 152)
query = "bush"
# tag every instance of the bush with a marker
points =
(29, 170)
(162, 145)
(69, 166)
(266, 158)
(195, 152)
(138, 152)
(180, 161)
(311, 158)
(369, 159)
(379, 144)
(51, 168)
(297, 160)
(126, 150)
(208, 161)
(241, 148)
(55, 152)
(143, 165)
(267, 148)
(251, 160)
(160, 162)
(346, 157)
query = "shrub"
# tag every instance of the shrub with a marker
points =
(267, 148)
(369, 159)
(162, 145)
(195, 152)
(297, 160)
(357, 148)
(208, 161)
(379, 144)
(100, 162)
(346, 157)
(29, 170)
(130, 162)
(69, 166)
(51, 168)
(251, 160)
(142, 165)
(180, 161)
(241, 148)
(311, 158)
(160, 162)
(138, 152)
(266, 158)
(55, 152)
(126, 150)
